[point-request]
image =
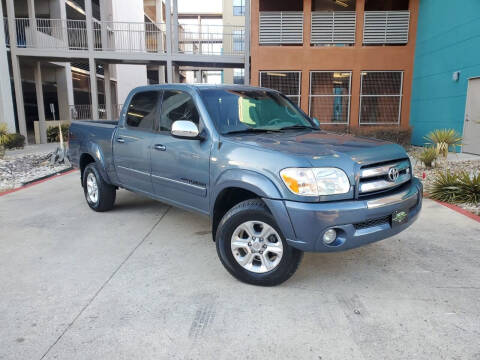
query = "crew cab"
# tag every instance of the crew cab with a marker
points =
(272, 182)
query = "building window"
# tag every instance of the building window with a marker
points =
(330, 93)
(238, 7)
(238, 40)
(381, 97)
(287, 82)
(239, 76)
(329, 99)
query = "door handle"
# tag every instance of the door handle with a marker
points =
(159, 147)
(120, 140)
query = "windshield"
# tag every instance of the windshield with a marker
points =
(252, 110)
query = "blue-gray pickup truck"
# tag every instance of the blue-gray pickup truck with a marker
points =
(273, 184)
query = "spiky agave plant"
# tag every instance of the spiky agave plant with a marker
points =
(443, 139)
(456, 187)
(428, 155)
(469, 188)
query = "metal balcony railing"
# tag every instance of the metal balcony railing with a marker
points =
(211, 39)
(386, 27)
(281, 27)
(51, 34)
(84, 112)
(333, 27)
(129, 37)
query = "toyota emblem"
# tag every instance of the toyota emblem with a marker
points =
(393, 174)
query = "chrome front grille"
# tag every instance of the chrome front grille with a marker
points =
(384, 176)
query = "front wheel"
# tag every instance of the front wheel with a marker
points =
(252, 247)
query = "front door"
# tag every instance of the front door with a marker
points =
(132, 143)
(471, 132)
(180, 167)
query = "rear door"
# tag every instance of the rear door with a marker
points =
(132, 142)
(471, 130)
(180, 167)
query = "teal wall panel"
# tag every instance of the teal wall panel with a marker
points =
(448, 40)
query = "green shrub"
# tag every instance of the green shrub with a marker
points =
(53, 135)
(12, 141)
(456, 188)
(427, 156)
(3, 132)
(443, 139)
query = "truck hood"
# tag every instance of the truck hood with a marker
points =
(318, 146)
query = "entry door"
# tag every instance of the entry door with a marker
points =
(132, 143)
(180, 167)
(471, 132)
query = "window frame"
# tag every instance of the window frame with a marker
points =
(241, 7)
(299, 96)
(159, 100)
(160, 107)
(349, 96)
(400, 96)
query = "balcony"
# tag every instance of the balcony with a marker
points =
(128, 37)
(333, 28)
(386, 27)
(281, 28)
(211, 39)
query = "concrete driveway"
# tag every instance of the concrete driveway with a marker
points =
(143, 282)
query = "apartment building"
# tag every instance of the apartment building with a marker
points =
(84, 56)
(348, 63)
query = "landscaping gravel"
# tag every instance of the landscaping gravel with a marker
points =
(427, 175)
(16, 170)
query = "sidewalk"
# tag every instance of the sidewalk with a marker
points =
(30, 149)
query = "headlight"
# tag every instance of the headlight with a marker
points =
(315, 181)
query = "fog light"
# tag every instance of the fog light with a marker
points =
(330, 236)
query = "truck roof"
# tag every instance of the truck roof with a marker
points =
(200, 87)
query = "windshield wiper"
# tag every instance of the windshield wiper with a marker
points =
(295, 127)
(250, 130)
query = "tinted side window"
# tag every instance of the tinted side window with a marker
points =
(177, 105)
(142, 110)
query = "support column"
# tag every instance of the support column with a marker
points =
(63, 77)
(93, 88)
(103, 27)
(246, 71)
(161, 74)
(168, 17)
(108, 91)
(42, 126)
(175, 27)
(198, 76)
(169, 71)
(7, 113)
(357, 70)
(91, 60)
(32, 20)
(17, 78)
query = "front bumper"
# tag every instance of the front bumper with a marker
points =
(358, 222)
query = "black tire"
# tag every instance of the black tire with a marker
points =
(254, 210)
(106, 192)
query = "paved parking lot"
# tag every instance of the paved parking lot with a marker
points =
(143, 282)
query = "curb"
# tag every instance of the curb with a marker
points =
(40, 180)
(456, 208)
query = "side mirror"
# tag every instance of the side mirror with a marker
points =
(315, 121)
(185, 129)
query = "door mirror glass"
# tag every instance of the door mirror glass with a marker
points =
(185, 129)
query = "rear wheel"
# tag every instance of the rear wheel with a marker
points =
(252, 247)
(100, 195)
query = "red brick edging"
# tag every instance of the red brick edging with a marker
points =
(37, 182)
